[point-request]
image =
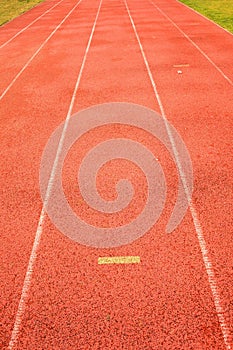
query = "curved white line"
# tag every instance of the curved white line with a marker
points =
(29, 25)
(202, 243)
(35, 247)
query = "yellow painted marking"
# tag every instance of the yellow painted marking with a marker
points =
(119, 260)
(180, 65)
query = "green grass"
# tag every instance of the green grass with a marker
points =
(12, 8)
(220, 11)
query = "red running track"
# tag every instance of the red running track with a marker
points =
(180, 295)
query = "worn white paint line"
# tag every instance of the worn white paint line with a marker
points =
(202, 243)
(35, 247)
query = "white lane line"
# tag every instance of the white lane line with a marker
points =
(193, 43)
(37, 51)
(202, 243)
(208, 19)
(35, 247)
(29, 25)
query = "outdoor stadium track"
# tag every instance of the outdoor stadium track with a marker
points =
(90, 52)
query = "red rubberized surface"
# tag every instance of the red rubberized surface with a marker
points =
(165, 302)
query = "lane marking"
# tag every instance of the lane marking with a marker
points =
(118, 260)
(208, 19)
(37, 51)
(193, 43)
(29, 25)
(180, 65)
(202, 243)
(35, 247)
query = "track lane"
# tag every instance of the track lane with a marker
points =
(28, 25)
(14, 65)
(210, 38)
(43, 100)
(220, 111)
(196, 46)
(11, 28)
(42, 218)
(198, 227)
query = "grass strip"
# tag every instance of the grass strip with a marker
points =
(220, 11)
(10, 9)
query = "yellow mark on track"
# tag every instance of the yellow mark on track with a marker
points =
(119, 260)
(180, 65)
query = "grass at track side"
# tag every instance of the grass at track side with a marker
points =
(10, 9)
(220, 11)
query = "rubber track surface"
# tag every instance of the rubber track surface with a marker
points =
(165, 302)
